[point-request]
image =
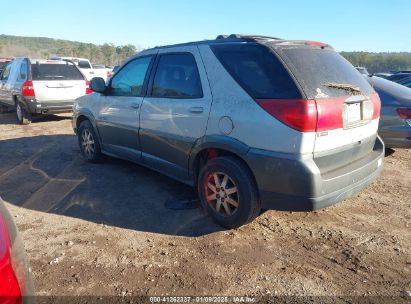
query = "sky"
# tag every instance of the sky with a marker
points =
(348, 25)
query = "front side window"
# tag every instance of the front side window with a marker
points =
(177, 77)
(129, 80)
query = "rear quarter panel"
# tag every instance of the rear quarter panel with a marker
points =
(250, 123)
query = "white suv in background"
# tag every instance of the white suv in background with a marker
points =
(40, 86)
(253, 122)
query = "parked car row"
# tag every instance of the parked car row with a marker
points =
(250, 121)
(194, 119)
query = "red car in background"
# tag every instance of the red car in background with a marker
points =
(15, 278)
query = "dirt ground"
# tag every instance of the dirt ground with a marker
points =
(104, 229)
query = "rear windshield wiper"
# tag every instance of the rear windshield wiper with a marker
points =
(344, 86)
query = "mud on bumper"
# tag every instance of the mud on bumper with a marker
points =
(291, 183)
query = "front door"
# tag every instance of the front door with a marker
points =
(175, 111)
(119, 110)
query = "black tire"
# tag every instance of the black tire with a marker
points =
(239, 177)
(89, 143)
(23, 116)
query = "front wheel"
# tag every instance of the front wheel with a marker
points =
(228, 192)
(88, 142)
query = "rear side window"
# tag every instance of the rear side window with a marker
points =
(257, 70)
(55, 71)
(323, 73)
(177, 77)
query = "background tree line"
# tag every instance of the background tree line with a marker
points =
(110, 54)
(39, 47)
(380, 62)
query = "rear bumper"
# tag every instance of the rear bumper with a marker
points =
(38, 107)
(296, 184)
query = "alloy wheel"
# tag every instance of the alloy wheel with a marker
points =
(87, 143)
(222, 193)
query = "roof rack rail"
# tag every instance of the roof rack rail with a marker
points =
(240, 36)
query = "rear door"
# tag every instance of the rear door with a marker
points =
(175, 112)
(119, 110)
(57, 81)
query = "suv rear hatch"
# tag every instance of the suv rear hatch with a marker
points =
(347, 107)
(57, 81)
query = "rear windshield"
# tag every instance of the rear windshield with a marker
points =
(324, 73)
(55, 71)
(257, 70)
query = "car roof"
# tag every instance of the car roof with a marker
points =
(67, 58)
(48, 61)
(236, 38)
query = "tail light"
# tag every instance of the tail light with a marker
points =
(28, 90)
(88, 90)
(404, 113)
(299, 114)
(10, 292)
(315, 115)
(108, 74)
(377, 105)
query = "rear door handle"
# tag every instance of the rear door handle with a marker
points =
(196, 109)
(135, 105)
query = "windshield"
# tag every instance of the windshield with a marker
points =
(53, 71)
(325, 73)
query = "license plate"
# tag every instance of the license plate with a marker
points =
(353, 112)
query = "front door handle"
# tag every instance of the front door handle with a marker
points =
(135, 105)
(196, 109)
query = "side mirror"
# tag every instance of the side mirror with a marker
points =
(97, 84)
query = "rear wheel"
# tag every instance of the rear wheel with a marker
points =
(23, 116)
(88, 142)
(228, 192)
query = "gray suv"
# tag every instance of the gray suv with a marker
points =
(253, 122)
